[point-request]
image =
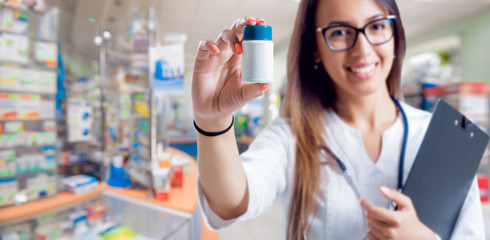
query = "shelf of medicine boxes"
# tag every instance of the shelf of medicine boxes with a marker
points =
(45, 87)
(42, 80)
(33, 62)
(30, 66)
(27, 147)
(30, 172)
(49, 64)
(182, 201)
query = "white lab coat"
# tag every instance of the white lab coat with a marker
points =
(269, 164)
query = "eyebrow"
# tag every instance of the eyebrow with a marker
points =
(347, 23)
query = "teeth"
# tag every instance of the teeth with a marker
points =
(363, 69)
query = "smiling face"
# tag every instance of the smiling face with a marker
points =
(363, 69)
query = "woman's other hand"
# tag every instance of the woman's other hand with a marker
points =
(217, 88)
(401, 224)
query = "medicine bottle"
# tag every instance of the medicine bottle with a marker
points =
(258, 54)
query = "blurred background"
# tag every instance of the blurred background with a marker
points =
(96, 134)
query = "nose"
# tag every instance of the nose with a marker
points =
(362, 47)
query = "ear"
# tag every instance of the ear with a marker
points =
(316, 57)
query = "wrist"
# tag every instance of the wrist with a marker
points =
(214, 124)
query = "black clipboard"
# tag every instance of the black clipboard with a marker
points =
(444, 168)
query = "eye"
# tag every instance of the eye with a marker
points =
(338, 33)
(378, 26)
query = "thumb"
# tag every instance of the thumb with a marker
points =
(402, 200)
(253, 90)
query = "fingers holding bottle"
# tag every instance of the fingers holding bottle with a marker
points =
(228, 39)
(205, 49)
(260, 21)
(233, 36)
(218, 88)
(226, 45)
(251, 91)
(217, 77)
(237, 26)
(207, 59)
(237, 30)
(212, 56)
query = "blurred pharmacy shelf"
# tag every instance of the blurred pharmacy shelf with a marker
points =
(65, 200)
(126, 204)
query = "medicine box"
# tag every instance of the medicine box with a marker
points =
(80, 184)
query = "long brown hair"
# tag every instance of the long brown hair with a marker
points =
(309, 92)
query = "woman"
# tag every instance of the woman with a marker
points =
(344, 67)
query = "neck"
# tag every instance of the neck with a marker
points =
(366, 112)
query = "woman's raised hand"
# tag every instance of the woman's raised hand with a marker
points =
(217, 88)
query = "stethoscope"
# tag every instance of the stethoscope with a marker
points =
(400, 186)
(348, 177)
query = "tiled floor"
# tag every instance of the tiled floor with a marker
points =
(267, 226)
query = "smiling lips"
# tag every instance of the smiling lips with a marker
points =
(363, 71)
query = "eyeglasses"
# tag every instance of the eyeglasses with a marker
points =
(344, 37)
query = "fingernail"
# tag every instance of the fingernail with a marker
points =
(215, 49)
(260, 20)
(251, 19)
(385, 190)
(238, 48)
(264, 89)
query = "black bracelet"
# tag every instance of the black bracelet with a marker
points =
(213, 134)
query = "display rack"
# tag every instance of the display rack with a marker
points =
(130, 97)
(86, 145)
(79, 150)
(28, 74)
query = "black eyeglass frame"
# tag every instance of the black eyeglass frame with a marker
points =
(357, 31)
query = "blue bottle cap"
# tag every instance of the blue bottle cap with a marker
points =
(257, 32)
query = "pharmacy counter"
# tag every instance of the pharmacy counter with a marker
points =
(187, 144)
(182, 201)
(64, 200)
(132, 207)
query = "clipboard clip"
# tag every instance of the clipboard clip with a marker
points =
(467, 124)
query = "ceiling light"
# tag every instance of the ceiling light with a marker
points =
(106, 34)
(98, 41)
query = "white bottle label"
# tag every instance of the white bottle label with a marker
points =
(257, 61)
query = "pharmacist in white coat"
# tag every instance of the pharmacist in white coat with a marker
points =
(344, 142)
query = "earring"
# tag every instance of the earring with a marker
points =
(315, 66)
(394, 56)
